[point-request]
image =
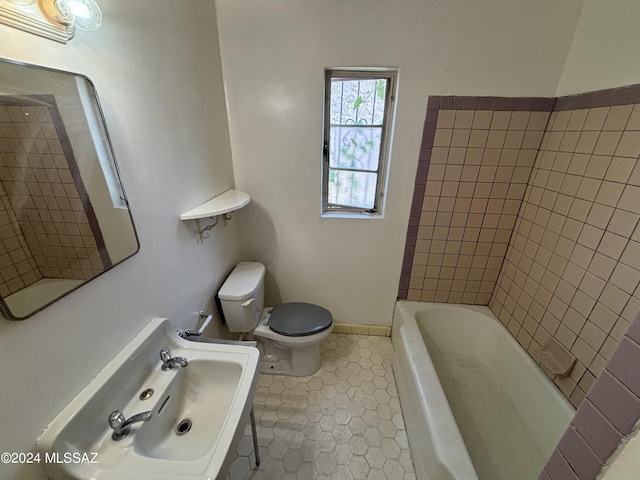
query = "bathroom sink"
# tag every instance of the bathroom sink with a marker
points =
(198, 413)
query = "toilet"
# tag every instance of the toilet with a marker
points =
(288, 335)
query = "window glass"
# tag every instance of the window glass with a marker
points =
(357, 117)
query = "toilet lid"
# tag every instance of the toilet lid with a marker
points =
(299, 319)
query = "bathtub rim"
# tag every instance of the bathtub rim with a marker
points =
(447, 445)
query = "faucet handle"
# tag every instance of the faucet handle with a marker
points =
(165, 355)
(116, 419)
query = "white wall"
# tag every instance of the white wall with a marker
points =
(605, 49)
(156, 68)
(625, 462)
(273, 56)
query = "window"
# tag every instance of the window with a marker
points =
(357, 119)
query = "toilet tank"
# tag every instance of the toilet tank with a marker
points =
(242, 296)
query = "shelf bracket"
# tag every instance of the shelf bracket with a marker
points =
(203, 232)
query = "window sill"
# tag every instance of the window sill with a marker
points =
(351, 215)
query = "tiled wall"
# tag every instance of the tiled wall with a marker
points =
(17, 265)
(475, 161)
(47, 221)
(573, 265)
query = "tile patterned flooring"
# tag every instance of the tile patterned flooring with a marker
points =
(344, 422)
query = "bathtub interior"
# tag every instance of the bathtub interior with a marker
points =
(471, 332)
(475, 332)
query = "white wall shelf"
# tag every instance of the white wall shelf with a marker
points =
(223, 204)
(226, 202)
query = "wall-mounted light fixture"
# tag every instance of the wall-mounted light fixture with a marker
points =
(53, 19)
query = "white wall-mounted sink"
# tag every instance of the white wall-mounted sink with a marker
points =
(197, 413)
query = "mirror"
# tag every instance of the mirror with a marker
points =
(64, 217)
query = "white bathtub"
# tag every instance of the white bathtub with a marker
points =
(476, 406)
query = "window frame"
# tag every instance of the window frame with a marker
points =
(391, 77)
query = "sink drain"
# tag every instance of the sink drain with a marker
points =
(183, 426)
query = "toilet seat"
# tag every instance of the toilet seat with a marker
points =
(297, 319)
(264, 331)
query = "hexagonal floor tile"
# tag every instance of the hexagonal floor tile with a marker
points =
(342, 423)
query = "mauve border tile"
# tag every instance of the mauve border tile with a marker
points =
(499, 103)
(512, 104)
(446, 103)
(486, 103)
(615, 402)
(432, 114)
(525, 104)
(459, 103)
(596, 430)
(634, 330)
(433, 103)
(600, 98)
(472, 103)
(558, 468)
(624, 365)
(583, 461)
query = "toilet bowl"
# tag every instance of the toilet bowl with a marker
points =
(288, 335)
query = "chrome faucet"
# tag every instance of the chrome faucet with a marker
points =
(121, 426)
(168, 362)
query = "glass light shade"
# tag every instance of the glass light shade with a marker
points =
(84, 14)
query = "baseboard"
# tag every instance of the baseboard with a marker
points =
(356, 329)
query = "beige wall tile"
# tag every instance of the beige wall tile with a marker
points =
(482, 119)
(629, 144)
(443, 137)
(464, 119)
(569, 141)
(587, 142)
(617, 117)
(620, 169)
(457, 154)
(514, 139)
(598, 166)
(519, 120)
(595, 118)
(446, 119)
(577, 119)
(500, 120)
(630, 199)
(631, 255)
(538, 121)
(634, 119)
(607, 143)
(478, 138)
(439, 155)
(460, 137)
(496, 138)
(609, 193)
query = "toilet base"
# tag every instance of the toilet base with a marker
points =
(295, 362)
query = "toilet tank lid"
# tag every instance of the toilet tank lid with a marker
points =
(242, 282)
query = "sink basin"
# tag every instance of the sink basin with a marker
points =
(197, 413)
